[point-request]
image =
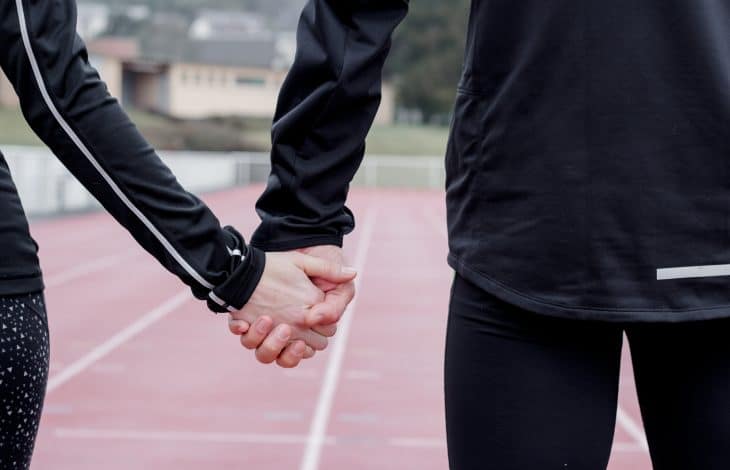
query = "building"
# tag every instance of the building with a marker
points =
(8, 98)
(192, 79)
(216, 24)
(92, 19)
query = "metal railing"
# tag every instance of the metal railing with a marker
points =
(46, 187)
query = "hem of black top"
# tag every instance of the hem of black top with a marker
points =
(543, 307)
(297, 243)
(21, 285)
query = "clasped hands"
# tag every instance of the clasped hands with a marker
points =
(296, 307)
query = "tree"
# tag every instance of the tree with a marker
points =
(427, 57)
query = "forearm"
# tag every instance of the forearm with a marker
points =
(68, 106)
(326, 108)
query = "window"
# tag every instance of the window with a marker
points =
(242, 80)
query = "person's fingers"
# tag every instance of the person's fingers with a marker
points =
(325, 330)
(324, 285)
(317, 341)
(292, 355)
(237, 327)
(274, 344)
(325, 269)
(331, 310)
(309, 353)
(253, 338)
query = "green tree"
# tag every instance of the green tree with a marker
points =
(427, 57)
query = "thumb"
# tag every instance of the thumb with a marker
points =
(324, 269)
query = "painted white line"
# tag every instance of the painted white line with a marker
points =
(685, 272)
(632, 428)
(117, 340)
(626, 447)
(318, 428)
(91, 267)
(180, 436)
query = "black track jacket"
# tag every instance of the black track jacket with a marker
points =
(588, 168)
(68, 106)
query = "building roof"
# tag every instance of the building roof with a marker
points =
(255, 52)
(118, 48)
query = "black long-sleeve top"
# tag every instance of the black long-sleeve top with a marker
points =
(588, 166)
(69, 107)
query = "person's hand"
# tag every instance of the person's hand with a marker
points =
(271, 346)
(286, 295)
(338, 295)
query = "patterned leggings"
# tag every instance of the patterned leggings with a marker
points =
(24, 351)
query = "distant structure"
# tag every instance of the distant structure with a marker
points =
(92, 19)
(214, 24)
(222, 64)
(8, 98)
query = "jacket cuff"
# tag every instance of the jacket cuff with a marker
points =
(295, 244)
(235, 292)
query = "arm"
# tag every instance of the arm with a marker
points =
(325, 110)
(70, 109)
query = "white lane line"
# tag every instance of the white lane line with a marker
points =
(180, 436)
(117, 340)
(91, 267)
(632, 428)
(318, 428)
(626, 447)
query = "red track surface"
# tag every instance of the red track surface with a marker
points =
(142, 378)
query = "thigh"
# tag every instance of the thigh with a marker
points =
(682, 376)
(23, 375)
(527, 391)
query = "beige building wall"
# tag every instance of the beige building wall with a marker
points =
(198, 91)
(386, 112)
(8, 98)
(110, 70)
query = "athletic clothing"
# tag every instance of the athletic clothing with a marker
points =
(589, 148)
(24, 353)
(529, 391)
(69, 107)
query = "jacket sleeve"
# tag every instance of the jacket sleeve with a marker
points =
(325, 110)
(69, 107)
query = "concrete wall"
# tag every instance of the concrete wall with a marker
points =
(110, 70)
(198, 91)
(46, 187)
(8, 98)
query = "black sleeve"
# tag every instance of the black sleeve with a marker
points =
(325, 110)
(69, 107)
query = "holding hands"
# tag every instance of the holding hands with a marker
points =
(296, 305)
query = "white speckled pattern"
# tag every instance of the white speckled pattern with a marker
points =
(24, 354)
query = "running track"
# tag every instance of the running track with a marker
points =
(143, 378)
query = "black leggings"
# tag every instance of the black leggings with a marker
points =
(525, 391)
(23, 376)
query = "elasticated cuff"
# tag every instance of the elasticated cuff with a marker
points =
(295, 244)
(240, 285)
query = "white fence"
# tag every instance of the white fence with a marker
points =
(46, 187)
